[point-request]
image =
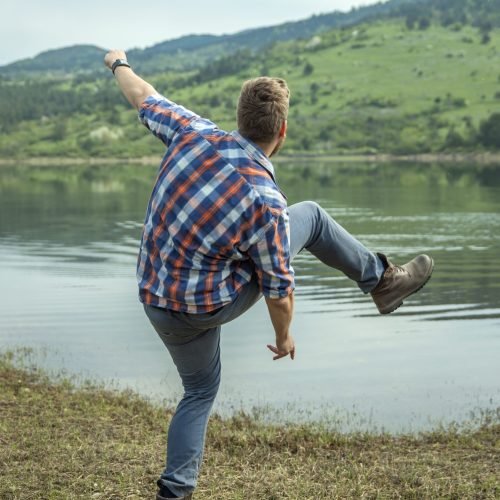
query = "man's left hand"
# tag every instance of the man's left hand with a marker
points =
(283, 348)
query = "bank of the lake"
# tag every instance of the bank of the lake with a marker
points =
(479, 158)
(62, 441)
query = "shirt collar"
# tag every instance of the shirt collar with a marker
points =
(254, 151)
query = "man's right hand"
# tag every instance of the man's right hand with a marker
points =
(113, 55)
(134, 88)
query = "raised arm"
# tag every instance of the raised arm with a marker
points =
(134, 88)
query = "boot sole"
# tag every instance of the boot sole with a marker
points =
(398, 305)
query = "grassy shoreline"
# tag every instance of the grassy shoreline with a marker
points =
(485, 158)
(58, 441)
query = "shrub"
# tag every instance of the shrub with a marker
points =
(459, 102)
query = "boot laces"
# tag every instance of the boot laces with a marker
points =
(401, 270)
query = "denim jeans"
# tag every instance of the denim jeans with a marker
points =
(193, 339)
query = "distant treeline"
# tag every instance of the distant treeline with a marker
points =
(483, 14)
(33, 99)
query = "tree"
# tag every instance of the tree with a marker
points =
(486, 39)
(411, 19)
(59, 130)
(485, 28)
(489, 131)
(424, 23)
(308, 69)
(454, 139)
(314, 92)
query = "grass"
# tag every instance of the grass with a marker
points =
(58, 441)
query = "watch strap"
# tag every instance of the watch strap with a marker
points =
(119, 62)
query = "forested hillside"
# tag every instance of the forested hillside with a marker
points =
(424, 80)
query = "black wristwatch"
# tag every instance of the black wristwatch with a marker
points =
(119, 62)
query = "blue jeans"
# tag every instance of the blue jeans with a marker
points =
(193, 339)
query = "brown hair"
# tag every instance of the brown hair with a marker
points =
(262, 108)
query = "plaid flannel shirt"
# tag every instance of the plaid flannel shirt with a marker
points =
(216, 218)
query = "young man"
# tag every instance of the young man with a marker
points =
(218, 235)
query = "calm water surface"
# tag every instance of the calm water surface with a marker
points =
(68, 244)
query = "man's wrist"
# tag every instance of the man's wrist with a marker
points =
(282, 335)
(119, 63)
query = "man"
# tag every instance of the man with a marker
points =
(218, 235)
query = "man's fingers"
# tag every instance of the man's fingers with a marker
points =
(276, 350)
(280, 354)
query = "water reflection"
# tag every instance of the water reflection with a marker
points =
(68, 245)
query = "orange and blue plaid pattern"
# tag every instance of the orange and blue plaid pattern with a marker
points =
(216, 218)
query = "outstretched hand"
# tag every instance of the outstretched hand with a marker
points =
(283, 348)
(112, 56)
(134, 88)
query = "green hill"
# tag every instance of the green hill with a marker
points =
(68, 59)
(194, 51)
(383, 86)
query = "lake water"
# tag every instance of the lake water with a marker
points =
(68, 244)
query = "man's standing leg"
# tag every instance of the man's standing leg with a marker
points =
(196, 354)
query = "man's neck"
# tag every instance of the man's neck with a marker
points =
(267, 147)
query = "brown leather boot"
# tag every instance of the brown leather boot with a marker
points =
(399, 282)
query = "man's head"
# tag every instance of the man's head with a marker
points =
(263, 111)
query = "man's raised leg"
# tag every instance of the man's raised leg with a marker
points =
(312, 228)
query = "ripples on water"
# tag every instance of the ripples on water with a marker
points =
(67, 266)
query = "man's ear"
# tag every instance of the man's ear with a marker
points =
(283, 129)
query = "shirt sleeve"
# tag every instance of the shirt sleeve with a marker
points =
(271, 256)
(164, 118)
